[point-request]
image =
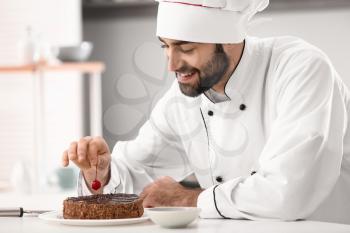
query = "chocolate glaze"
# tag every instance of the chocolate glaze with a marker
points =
(106, 198)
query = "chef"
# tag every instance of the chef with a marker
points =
(261, 123)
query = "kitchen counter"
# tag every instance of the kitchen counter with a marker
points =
(52, 201)
(34, 224)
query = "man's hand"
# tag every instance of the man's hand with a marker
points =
(167, 192)
(86, 154)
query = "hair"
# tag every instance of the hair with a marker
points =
(219, 48)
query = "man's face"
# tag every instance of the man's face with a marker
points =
(198, 66)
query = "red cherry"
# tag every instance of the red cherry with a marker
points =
(96, 185)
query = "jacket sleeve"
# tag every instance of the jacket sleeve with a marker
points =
(301, 160)
(153, 153)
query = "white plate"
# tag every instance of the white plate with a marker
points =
(56, 217)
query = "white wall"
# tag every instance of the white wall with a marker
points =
(328, 29)
(59, 23)
(121, 34)
(136, 70)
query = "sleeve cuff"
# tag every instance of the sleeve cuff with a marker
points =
(216, 201)
(111, 187)
(206, 203)
(83, 190)
(114, 182)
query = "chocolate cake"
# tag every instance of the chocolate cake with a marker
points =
(103, 206)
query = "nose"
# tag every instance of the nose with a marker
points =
(174, 61)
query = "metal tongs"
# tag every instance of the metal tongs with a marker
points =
(18, 212)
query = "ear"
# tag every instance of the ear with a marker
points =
(232, 49)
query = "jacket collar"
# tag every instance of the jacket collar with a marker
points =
(242, 76)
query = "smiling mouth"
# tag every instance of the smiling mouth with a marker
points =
(185, 77)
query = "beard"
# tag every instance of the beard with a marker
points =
(213, 71)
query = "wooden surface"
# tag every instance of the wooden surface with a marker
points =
(84, 67)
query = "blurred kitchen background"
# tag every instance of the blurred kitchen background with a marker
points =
(123, 36)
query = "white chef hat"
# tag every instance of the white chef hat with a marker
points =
(207, 21)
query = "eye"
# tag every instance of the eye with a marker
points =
(164, 46)
(187, 48)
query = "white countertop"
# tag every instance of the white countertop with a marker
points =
(32, 224)
(52, 200)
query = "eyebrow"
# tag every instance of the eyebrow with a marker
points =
(177, 43)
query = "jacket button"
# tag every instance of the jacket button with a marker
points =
(210, 113)
(242, 107)
(252, 173)
(219, 179)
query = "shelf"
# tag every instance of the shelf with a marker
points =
(117, 3)
(307, 5)
(84, 67)
(131, 8)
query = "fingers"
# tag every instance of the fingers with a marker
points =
(148, 201)
(97, 146)
(144, 193)
(158, 183)
(72, 151)
(65, 159)
(93, 153)
(164, 191)
(77, 153)
(146, 190)
(148, 196)
(164, 180)
(85, 152)
(82, 151)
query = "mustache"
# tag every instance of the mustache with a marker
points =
(186, 69)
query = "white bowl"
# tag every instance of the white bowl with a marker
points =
(173, 217)
(78, 53)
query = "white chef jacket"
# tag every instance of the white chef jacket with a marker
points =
(278, 149)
